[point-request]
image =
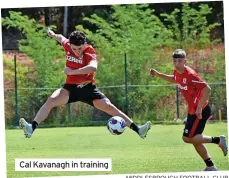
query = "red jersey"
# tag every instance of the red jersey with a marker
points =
(76, 62)
(190, 86)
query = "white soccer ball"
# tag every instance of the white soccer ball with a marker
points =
(116, 125)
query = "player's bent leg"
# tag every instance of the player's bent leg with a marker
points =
(198, 143)
(202, 151)
(197, 139)
(58, 98)
(186, 139)
(106, 106)
(193, 130)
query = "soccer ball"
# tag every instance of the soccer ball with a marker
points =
(116, 125)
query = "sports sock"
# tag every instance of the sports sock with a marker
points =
(215, 140)
(134, 127)
(208, 162)
(34, 125)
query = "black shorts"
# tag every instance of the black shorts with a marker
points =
(85, 93)
(194, 126)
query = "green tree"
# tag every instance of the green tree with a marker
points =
(44, 51)
(190, 27)
(48, 62)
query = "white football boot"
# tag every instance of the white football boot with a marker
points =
(27, 128)
(143, 130)
(223, 145)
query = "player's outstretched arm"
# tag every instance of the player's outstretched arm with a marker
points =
(169, 78)
(58, 37)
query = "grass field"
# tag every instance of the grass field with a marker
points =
(162, 151)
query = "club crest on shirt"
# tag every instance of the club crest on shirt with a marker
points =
(184, 80)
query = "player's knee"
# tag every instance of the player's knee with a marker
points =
(187, 139)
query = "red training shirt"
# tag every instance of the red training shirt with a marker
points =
(76, 62)
(190, 86)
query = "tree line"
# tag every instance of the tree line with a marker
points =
(145, 35)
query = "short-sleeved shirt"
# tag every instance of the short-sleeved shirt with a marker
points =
(76, 62)
(190, 85)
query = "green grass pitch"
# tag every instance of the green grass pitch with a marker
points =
(162, 151)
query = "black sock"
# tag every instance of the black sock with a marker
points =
(208, 162)
(34, 125)
(134, 127)
(215, 140)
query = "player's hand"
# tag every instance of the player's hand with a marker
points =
(199, 112)
(68, 71)
(153, 72)
(50, 32)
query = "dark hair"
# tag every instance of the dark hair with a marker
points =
(179, 53)
(77, 38)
